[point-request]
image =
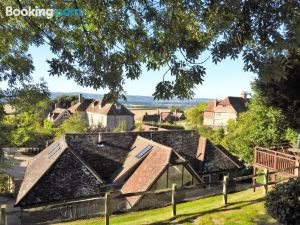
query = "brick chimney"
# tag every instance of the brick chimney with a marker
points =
(243, 94)
(80, 98)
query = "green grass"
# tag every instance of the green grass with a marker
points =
(245, 208)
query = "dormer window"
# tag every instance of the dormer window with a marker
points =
(118, 107)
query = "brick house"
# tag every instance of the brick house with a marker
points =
(218, 112)
(96, 113)
(85, 165)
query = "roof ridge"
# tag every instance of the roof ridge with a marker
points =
(155, 143)
(87, 166)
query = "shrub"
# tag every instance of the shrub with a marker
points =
(283, 202)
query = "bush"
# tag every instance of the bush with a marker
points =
(283, 202)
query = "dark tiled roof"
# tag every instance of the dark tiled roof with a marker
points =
(39, 165)
(104, 158)
(98, 106)
(40, 172)
(215, 159)
(238, 103)
(81, 106)
(151, 118)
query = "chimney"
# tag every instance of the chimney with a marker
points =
(216, 102)
(243, 94)
(55, 106)
(80, 98)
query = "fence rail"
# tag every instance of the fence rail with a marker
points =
(108, 203)
(274, 160)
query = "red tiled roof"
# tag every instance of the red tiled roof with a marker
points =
(132, 161)
(229, 104)
(148, 172)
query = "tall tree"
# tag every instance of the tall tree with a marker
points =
(284, 94)
(111, 40)
(74, 124)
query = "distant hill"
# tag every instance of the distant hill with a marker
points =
(141, 101)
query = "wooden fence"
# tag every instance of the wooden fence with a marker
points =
(110, 203)
(274, 160)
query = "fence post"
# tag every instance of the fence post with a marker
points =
(254, 178)
(3, 215)
(107, 207)
(174, 200)
(266, 180)
(225, 189)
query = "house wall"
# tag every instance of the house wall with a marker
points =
(114, 121)
(109, 121)
(95, 119)
(219, 119)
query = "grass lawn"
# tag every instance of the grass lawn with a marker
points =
(245, 208)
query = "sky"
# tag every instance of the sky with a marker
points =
(227, 78)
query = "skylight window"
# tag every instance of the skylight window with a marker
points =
(144, 151)
(53, 149)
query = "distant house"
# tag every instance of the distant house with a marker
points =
(151, 118)
(167, 117)
(85, 165)
(109, 115)
(218, 112)
(58, 115)
(96, 113)
(164, 117)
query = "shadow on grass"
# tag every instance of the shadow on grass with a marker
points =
(191, 217)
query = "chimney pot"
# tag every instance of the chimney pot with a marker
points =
(243, 95)
(80, 98)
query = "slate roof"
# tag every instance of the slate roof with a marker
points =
(104, 158)
(215, 159)
(98, 106)
(39, 165)
(42, 163)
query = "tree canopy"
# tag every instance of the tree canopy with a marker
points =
(112, 40)
(285, 93)
(261, 125)
(194, 115)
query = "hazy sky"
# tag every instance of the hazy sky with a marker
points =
(224, 79)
